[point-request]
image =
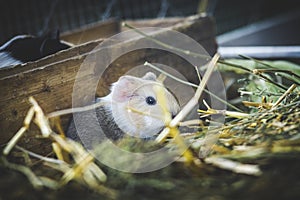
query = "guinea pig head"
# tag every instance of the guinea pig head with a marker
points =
(135, 106)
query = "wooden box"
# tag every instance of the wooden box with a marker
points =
(50, 80)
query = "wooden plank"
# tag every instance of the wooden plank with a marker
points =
(51, 59)
(91, 32)
(162, 22)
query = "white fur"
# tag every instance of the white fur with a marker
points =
(7, 60)
(149, 119)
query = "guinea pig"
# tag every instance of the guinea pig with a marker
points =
(24, 48)
(131, 108)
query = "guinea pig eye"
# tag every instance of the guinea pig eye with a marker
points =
(150, 100)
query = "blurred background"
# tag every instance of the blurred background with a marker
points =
(37, 17)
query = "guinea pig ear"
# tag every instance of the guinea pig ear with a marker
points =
(123, 90)
(149, 76)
